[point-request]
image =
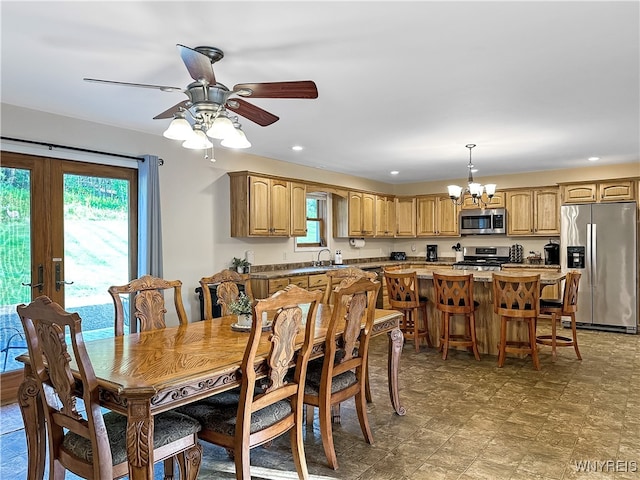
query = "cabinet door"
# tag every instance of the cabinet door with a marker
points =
(355, 214)
(280, 208)
(259, 206)
(368, 214)
(546, 211)
(579, 193)
(447, 217)
(497, 201)
(519, 212)
(405, 217)
(385, 217)
(298, 209)
(427, 219)
(615, 191)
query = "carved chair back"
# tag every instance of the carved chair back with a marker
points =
(338, 275)
(570, 296)
(516, 296)
(148, 302)
(453, 293)
(402, 288)
(227, 291)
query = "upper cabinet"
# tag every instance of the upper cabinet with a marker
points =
(354, 216)
(497, 201)
(533, 211)
(260, 206)
(437, 216)
(385, 216)
(405, 221)
(298, 209)
(605, 191)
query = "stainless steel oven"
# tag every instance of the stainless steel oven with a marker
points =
(483, 258)
(483, 222)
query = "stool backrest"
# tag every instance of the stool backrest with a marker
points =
(402, 288)
(516, 295)
(570, 297)
(454, 293)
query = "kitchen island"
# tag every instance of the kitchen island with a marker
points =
(487, 322)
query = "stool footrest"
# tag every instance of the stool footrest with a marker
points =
(560, 341)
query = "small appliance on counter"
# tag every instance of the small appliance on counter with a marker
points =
(398, 256)
(432, 253)
(552, 253)
(516, 253)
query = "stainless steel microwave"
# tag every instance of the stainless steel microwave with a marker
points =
(483, 222)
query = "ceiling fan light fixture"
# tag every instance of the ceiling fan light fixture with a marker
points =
(198, 141)
(179, 128)
(221, 128)
(237, 140)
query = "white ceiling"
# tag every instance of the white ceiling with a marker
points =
(402, 85)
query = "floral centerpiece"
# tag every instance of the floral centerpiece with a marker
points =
(243, 308)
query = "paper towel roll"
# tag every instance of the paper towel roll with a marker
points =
(356, 242)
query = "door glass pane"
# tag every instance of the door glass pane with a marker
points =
(96, 248)
(15, 261)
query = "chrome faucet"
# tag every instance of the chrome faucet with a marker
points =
(319, 263)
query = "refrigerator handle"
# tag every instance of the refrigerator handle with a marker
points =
(588, 256)
(594, 253)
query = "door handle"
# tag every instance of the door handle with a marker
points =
(60, 282)
(40, 284)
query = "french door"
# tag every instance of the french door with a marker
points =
(68, 231)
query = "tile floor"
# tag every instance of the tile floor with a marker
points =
(465, 420)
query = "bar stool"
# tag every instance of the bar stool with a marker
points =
(454, 296)
(565, 306)
(403, 295)
(517, 298)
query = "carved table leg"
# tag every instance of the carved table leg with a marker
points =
(189, 462)
(34, 429)
(140, 439)
(396, 340)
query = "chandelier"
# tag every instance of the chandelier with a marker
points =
(212, 122)
(456, 193)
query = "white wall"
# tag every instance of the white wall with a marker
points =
(195, 197)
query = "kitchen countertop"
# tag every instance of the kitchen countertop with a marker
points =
(378, 264)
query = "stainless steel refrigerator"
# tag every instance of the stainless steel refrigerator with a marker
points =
(600, 241)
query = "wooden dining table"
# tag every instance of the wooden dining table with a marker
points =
(143, 374)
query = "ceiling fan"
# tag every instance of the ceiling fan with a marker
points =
(209, 102)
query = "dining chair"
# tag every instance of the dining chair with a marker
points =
(262, 411)
(402, 289)
(565, 306)
(454, 297)
(148, 302)
(517, 298)
(341, 374)
(78, 442)
(227, 290)
(335, 276)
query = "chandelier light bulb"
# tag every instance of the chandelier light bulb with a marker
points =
(475, 189)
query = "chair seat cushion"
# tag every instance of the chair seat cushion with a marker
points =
(550, 303)
(222, 418)
(168, 427)
(340, 382)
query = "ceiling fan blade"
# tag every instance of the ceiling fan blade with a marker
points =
(164, 88)
(171, 111)
(199, 65)
(300, 89)
(251, 112)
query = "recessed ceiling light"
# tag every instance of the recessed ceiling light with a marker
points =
(593, 159)
(297, 148)
(394, 172)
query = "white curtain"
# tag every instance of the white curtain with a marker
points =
(149, 218)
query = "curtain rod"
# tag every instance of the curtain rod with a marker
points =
(77, 149)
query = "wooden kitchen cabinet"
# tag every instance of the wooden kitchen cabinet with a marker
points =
(604, 191)
(385, 216)
(260, 206)
(405, 223)
(533, 212)
(298, 209)
(355, 215)
(497, 201)
(437, 216)
(263, 288)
